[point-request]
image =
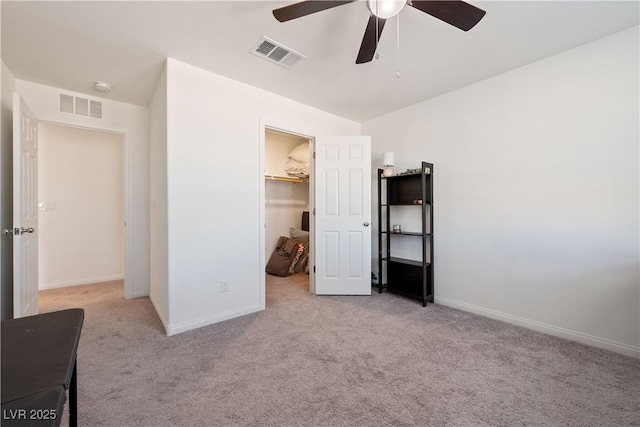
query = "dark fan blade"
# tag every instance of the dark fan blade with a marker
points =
(304, 8)
(369, 41)
(457, 13)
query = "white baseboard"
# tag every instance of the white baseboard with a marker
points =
(591, 340)
(139, 295)
(78, 282)
(205, 321)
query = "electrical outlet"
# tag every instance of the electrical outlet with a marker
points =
(224, 286)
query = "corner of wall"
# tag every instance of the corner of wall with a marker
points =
(209, 320)
(158, 222)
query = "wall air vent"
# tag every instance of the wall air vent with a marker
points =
(80, 106)
(66, 103)
(95, 109)
(275, 52)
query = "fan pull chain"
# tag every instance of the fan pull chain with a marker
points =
(377, 32)
(398, 46)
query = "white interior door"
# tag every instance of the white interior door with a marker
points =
(25, 212)
(343, 215)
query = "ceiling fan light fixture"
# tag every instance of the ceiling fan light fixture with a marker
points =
(102, 86)
(386, 9)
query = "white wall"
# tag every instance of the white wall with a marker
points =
(214, 186)
(6, 192)
(536, 192)
(159, 244)
(81, 183)
(133, 121)
(284, 201)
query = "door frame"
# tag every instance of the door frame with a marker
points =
(292, 128)
(129, 291)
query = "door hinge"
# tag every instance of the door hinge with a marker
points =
(314, 211)
(314, 269)
(314, 154)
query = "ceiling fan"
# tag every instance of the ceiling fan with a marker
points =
(455, 12)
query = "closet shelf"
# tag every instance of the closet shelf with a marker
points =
(287, 179)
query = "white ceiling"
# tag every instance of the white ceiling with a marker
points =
(71, 44)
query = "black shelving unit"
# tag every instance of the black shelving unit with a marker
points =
(413, 278)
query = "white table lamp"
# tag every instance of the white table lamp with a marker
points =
(387, 163)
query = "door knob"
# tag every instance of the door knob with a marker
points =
(366, 224)
(27, 230)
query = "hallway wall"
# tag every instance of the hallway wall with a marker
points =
(82, 204)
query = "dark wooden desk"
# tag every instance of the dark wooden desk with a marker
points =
(38, 364)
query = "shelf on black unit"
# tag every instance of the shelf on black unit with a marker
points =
(403, 176)
(405, 261)
(406, 233)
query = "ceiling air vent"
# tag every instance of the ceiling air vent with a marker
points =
(275, 52)
(80, 106)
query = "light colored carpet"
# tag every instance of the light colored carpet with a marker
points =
(337, 361)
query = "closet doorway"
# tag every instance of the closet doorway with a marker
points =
(81, 195)
(287, 173)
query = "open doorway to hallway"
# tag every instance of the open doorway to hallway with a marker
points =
(81, 195)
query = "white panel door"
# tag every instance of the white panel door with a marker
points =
(343, 215)
(25, 211)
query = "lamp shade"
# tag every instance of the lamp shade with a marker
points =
(387, 158)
